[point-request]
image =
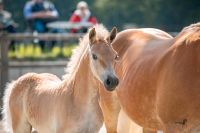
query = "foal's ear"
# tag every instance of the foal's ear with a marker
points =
(92, 36)
(112, 35)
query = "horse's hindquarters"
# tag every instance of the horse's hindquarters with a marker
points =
(14, 115)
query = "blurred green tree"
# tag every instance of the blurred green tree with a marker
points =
(170, 15)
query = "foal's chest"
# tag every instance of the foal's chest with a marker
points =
(90, 122)
(87, 121)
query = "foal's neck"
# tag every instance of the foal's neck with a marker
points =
(83, 85)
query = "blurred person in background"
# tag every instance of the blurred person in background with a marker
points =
(38, 13)
(6, 22)
(82, 15)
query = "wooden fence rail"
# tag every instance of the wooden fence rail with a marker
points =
(5, 40)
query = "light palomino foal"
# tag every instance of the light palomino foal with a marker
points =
(49, 105)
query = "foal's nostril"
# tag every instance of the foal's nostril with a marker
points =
(108, 81)
(111, 82)
(116, 81)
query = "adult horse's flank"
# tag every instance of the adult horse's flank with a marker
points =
(49, 105)
(160, 79)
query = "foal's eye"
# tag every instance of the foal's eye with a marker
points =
(117, 57)
(94, 56)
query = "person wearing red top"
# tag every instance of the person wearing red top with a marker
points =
(82, 15)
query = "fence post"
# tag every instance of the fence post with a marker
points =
(4, 43)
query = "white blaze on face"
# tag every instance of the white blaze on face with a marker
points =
(108, 72)
(94, 65)
(100, 72)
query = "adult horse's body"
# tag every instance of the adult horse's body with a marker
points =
(49, 105)
(160, 79)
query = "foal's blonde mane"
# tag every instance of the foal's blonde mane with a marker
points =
(78, 52)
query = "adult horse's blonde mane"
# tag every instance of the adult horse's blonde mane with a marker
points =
(197, 25)
(77, 54)
(190, 33)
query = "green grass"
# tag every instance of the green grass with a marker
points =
(34, 52)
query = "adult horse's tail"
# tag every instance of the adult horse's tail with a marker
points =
(7, 123)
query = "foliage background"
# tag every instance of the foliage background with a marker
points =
(169, 15)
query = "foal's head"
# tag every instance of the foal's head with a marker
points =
(102, 58)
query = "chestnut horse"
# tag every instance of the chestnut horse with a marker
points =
(49, 105)
(130, 44)
(159, 79)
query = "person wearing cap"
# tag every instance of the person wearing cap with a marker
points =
(38, 13)
(82, 15)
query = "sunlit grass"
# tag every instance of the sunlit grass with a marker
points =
(34, 52)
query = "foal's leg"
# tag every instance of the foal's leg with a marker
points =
(21, 126)
(19, 122)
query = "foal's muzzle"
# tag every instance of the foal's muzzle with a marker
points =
(111, 82)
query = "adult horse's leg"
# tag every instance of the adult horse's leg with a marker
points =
(110, 108)
(126, 125)
(174, 128)
(149, 131)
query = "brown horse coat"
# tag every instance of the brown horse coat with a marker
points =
(129, 44)
(159, 76)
